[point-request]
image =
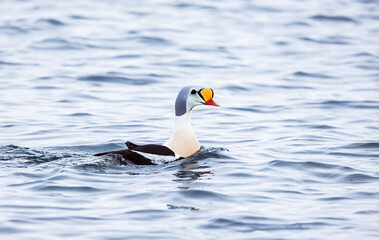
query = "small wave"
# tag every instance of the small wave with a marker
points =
(308, 165)
(8, 125)
(236, 88)
(350, 104)
(57, 188)
(186, 64)
(359, 178)
(259, 109)
(127, 56)
(365, 145)
(152, 40)
(204, 194)
(205, 50)
(312, 75)
(292, 87)
(116, 79)
(285, 192)
(373, 67)
(51, 21)
(281, 86)
(12, 30)
(237, 225)
(317, 171)
(80, 114)
(366, 195)
(365, 54)
(262, 8)
(9, 63)
(368, 212)
(57, 44)
(154, 214)
(44, 87)
(334, 18)
(357, 155)
(334, 199)
(16, 156)
(322, 126)
(331, 40)
(80, 17)
(298, 24)
(196, 6)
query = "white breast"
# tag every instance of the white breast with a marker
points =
(183, 142)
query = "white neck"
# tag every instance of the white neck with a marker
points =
(183, 142)
(183, 121)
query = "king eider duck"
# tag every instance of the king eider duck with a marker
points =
(183, 142)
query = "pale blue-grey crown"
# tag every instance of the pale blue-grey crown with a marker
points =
(181, 101)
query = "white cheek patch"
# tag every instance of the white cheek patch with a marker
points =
(157, 159)
(194, 101)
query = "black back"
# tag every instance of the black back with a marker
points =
(132, 155)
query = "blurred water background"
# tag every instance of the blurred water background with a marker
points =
(293, 153)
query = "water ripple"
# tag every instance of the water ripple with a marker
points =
(328, 40)
(51, 21)
(57, 44)
(312, 75)
(116, 78)
(334, 18)
(221, 223)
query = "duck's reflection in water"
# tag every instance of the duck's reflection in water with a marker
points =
(188, 174)
(190, 170)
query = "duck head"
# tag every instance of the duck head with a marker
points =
(190, 97)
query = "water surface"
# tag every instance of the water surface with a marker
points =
(293, 153)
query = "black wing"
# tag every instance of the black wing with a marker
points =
(131, 154)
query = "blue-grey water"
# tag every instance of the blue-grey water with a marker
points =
(292, 154)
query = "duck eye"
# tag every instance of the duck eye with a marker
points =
(193, 91)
